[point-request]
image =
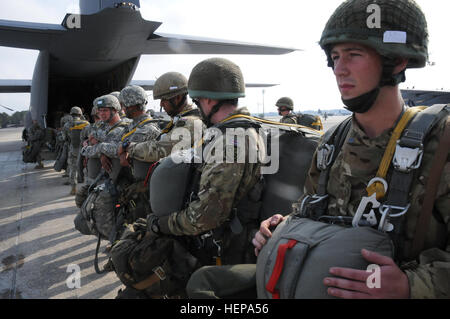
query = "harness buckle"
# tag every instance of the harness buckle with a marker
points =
(385, 211)
(406, 158)
(308, 201)
(324, 156)
(370, 217)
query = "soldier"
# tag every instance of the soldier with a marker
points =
(286, 110)
(36, 138)
(368, 65)
(142, 128)
(106, 151)
(207, 225)
(60, 138)
(71, 134)
(171, 89)
(285, 107)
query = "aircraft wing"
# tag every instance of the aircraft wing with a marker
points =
(15, 86)
(425, 97)
(148, 84)
(28, 35)
(145, 84)
(163, 43)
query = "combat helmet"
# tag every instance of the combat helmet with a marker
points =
(107, 101)
(286, 102)
(216, 79)
(76, 111)
(169, 85)
(133, 95)
(401, 32)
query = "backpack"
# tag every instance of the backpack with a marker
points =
(301, 251)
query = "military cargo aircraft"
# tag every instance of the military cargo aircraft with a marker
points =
(97, 52)
(425, 97)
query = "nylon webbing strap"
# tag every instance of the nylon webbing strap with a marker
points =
(79, 126)
(278, 268)
(378, 187)
(413, 137)
(431, 189)
(337, 136)
(134, 130)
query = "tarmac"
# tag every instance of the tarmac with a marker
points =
(40, 250)
(42, 255)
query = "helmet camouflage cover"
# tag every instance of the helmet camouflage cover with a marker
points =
(216, 78)
(133, 95)
(76, 111)
(169, 85)
(285, 101)
(401, 30)
(108, 101)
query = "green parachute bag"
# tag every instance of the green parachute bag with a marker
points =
(301, 251)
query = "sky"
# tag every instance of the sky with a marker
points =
(302, 75)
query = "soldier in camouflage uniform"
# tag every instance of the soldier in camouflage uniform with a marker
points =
(36, 136)
(368, 65)
(286, 110)
(60, 137)
(208, 225)
(71, 134)
(171, 89)
(106, 151)
(134, 198)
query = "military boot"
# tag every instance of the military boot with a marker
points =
(39, 166)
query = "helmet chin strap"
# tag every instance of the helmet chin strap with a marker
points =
(364, 102)
(214, 110)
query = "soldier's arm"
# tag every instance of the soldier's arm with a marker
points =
(152, 150)
(218, 186)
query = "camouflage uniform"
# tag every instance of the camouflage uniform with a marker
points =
(356, 165)
(110, 143)
(71, 129)
(289, 119)
(36, 138)
(153, 150)
(222, 186)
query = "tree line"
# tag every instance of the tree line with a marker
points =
(15, 119)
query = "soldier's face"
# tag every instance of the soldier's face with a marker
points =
(104, 114)
(357, 69)
(283, 111)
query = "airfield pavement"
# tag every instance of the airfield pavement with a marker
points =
(39, 246)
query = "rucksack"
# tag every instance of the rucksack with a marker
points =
(301, 252)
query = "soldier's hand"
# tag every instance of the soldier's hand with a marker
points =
(106, 163)
(92, 140)
(264, 232)
(352, 283)
(120, 150)
(124, 159)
